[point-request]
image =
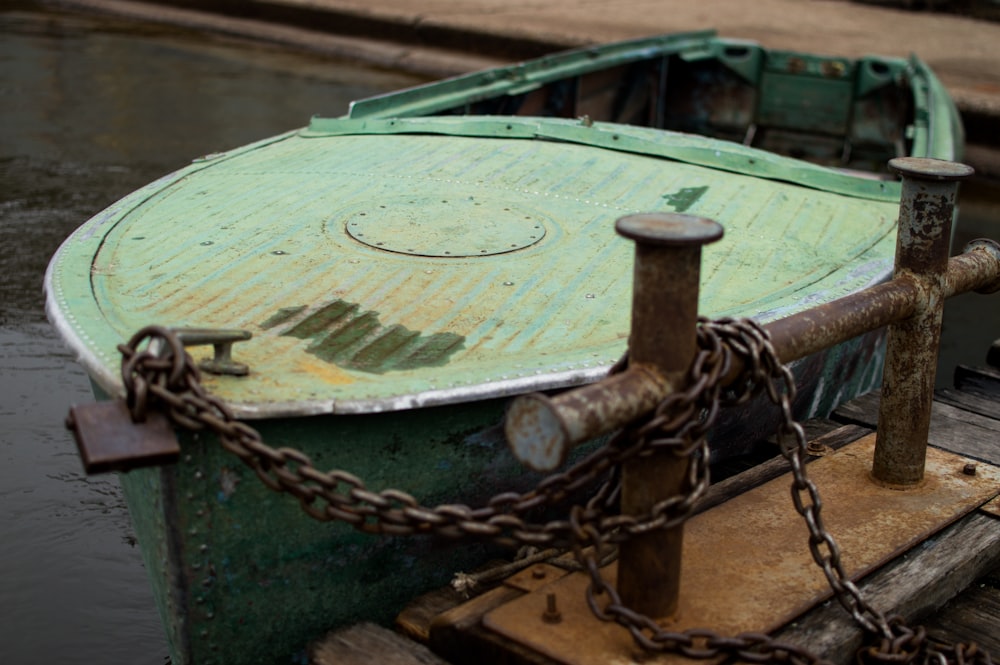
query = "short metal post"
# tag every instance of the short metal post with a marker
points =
(927, 205)
(663, 338)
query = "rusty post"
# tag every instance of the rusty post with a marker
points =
(663, 339)
(926, 208)
(541, 430)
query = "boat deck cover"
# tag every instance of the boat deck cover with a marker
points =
(383, 270)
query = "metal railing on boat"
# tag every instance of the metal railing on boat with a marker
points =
(542, 429)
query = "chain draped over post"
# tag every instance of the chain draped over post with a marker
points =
(158, 373)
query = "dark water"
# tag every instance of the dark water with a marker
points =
(91, 109)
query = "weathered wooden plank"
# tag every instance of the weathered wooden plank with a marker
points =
(983, 381)
(953, 429)
(415, 619)
(969, 402)
(965, 433)
(419, 615)
(767, 449)
(366, 643)
(913, 586)
(971, 617)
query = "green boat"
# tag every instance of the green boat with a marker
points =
(406, 269)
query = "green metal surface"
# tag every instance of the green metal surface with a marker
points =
(259, 578)
(354, 258)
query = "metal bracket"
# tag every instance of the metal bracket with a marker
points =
(222, 341)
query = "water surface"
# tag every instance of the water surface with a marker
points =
(93, 108)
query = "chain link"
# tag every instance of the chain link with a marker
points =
(157, 371)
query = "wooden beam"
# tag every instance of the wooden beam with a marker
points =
(366, 643)
(983, 381)
(953, 429)
(913, 586)
(972, 616)
(969, 402)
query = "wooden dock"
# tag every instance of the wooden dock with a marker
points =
(949, 583)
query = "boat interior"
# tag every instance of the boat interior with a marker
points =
(838, 112)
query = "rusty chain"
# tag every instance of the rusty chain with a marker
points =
(763, 371)
(164, 371)
(155, 368)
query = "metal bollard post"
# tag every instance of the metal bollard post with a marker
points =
(926, 208)
(663, 338)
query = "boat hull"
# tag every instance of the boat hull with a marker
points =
(241, 574)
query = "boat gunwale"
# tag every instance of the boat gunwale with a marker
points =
(438, 95)
(697, 150)
(935, 118)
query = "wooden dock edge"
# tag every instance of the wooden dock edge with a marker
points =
(917, 585)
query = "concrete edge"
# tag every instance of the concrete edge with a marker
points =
(421, 60)
(431, 50)
(385, 41)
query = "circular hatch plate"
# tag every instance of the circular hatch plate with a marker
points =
(460, 226)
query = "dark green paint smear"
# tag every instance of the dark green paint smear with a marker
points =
(322, 319)
(345, 335)
(281, 316)
(684, 198)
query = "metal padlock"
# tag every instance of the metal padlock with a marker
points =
(109, 440)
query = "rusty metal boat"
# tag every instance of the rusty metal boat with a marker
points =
(398, 273)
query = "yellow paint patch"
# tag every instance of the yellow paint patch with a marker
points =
(325, 372)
